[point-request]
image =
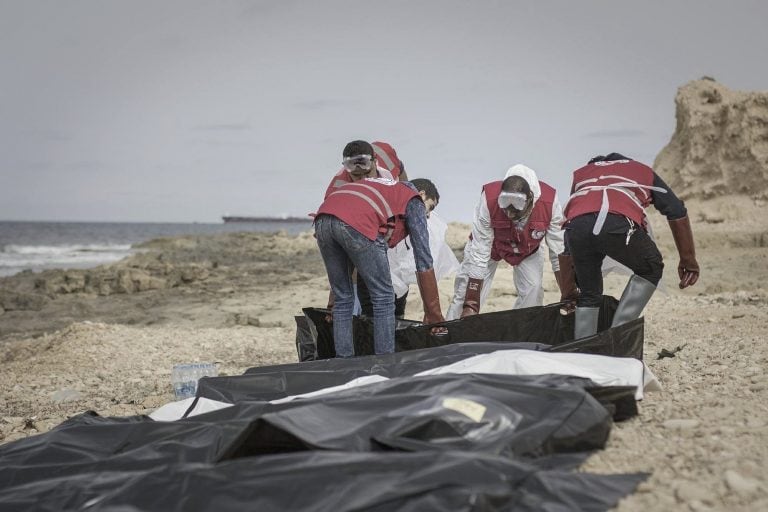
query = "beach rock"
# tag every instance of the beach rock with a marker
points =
(15, 436)
(54, 282)
(137, 280)
(66, 395)
(720, 144)
(194, 273)
(681, 424)
(697, 506)
(740, 484)
(18, 301)
(245, 319)
(687, 492)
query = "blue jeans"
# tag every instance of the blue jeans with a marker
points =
(344, 248)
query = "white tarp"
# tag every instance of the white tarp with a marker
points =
(602, 370)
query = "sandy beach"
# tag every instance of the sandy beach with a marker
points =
(105, 339)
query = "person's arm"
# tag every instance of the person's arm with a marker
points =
(478, 252)
(667, 203)
(416, 222)
(562, 263)
(555, 234)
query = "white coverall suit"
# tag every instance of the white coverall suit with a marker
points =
(528, 273)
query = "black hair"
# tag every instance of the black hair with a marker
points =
(357, 147)
(426, 186)
(610, 157)
(516, 184)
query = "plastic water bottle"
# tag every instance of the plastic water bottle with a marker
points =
(184, 378)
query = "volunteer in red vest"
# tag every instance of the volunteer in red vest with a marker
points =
(512, 218)
(354, 226)
(388, 165)
(605, 216)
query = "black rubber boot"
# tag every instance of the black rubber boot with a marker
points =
(585, 322)
(633, 300)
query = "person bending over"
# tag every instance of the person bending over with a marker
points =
(511, 219)
(354, 226)
(605, 216)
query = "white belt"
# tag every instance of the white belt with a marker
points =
(622, 187)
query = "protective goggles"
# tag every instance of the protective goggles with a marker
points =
(357, 163)
(516, 200)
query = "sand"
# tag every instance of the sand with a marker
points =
(110, 349)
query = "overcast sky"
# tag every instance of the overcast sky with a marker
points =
(185, 110)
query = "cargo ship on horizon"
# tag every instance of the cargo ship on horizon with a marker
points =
(238, 218)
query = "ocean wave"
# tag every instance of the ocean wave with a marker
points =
(16, 258)
(63, 249)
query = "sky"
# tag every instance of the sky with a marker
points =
(187, 110)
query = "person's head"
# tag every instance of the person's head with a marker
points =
(358, 158)
(428, 192)
(516, 197)
(610, 157)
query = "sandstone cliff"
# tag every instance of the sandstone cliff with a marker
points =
(720, 144)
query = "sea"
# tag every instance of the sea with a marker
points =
(37, 246)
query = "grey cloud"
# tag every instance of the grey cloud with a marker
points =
(45, 135)
(466, 160)
(217, 143)
(86, 165)
(34, 166)
(321, 104)
(225, 127)
(617, 133)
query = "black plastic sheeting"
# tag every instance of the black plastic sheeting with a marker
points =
(441, 442)
(331, 482)
(542, 325)
(279, 381)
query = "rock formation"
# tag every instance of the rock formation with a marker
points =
(720, 144)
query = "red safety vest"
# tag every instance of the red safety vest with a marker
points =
(622, 184)
(386, 157)
(372, 206)
(511, 244)
(343, 177)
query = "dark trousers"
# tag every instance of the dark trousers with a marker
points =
(639, 254)
(367, 306)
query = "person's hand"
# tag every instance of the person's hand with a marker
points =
(688, 271)
(435, 317)
(568, 307)
(688, 268)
